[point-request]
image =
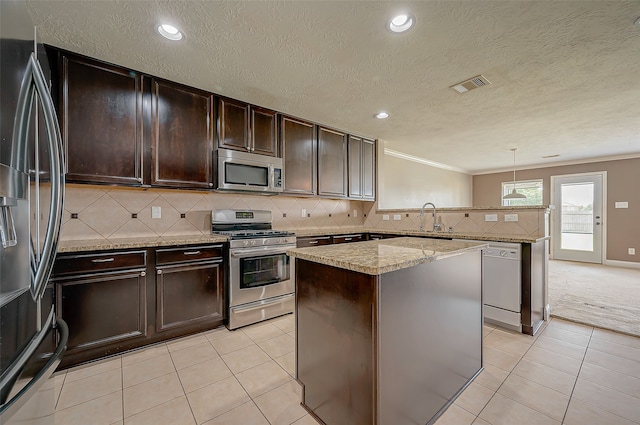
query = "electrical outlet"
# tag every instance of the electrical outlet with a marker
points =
(156, 212)
(385, 217)
(632, 251)
(303, 212)
(622, 205)
(511, 217)
(355, 213)
(397, 217)
(491, 217)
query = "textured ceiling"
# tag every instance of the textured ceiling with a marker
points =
(565, 74)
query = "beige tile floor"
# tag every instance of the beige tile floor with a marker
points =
(568, 374)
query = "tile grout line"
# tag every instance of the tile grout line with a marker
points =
(509, 374)
(577, 376)
(182, 385)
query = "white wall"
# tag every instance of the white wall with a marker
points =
(404, 183)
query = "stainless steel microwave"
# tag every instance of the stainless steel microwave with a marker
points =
(249, 172)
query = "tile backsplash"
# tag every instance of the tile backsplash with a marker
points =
(531, 222)
(123, 213)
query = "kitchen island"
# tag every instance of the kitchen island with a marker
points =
(388, 332)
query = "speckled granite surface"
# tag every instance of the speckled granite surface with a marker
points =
(384, 256)
(126, 243)
(440, 235)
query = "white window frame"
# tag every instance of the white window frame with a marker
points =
(507, 187)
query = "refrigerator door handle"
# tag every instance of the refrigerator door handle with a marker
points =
(8, 409)
(35, 82)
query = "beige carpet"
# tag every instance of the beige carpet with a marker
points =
(596, 295)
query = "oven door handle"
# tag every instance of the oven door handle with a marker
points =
(243, 253)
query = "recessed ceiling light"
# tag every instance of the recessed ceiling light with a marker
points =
(381, 115)
(170, 32)
(401, 23)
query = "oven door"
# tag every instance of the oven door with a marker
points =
(259, 273)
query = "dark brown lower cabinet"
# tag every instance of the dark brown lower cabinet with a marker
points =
(103, 310)
(112, 303)
(188, 294)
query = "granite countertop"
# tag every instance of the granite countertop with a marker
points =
(142, 242)
(429, 234)
(384, 256)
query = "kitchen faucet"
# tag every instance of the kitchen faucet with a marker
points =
(436, 226)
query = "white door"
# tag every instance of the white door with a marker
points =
(578, 217)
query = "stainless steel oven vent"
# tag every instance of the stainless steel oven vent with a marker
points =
(470, 84)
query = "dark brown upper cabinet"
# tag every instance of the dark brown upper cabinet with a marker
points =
(332, 162)
(299, 147)
(101, 120)
(248, 128)
(181, 136)
(362, 168)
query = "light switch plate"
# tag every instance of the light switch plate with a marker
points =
(622, 205)
(491, 217)
(385, 217)
(632, 251)
(511, 217)
(303, 212)
(355, 213)
(397, 217)
(156, 212)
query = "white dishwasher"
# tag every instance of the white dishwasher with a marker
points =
(501, 279)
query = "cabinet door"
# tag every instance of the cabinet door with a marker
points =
(189, 295)
(233, 124)
(299, 154)
(368, 155)
(101, 115)
(103, 309)
(355, 167)
(264, 132)
(332, 163)
(182, 136)
(362, 168)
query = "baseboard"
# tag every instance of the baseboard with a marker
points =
(626, 264)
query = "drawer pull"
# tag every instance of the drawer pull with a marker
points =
(143, 274)
(103, 260)
(191, 252)
(348, 239)
(159, 272)
(313, 242)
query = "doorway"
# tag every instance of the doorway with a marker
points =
(578, 219)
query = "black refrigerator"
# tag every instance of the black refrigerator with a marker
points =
(32, 338)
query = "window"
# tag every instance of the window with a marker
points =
(532, 189)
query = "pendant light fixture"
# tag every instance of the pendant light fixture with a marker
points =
(514, 194)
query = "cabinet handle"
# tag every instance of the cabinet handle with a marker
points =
(313, 242)
(140, 179)
(159, 271)
(191, 252)
(348, 239)
(143, 274)
(210, 184)
(102, 260)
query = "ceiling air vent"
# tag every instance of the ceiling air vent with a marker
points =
(470, 84)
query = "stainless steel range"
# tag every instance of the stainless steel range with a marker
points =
(260, 273)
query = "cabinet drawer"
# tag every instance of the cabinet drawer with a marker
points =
(91, 263)
(187, 254)
(347, 238)
(313, 241)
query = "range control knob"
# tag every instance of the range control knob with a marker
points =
(253, 242)
(503, 253)
(245, 243)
